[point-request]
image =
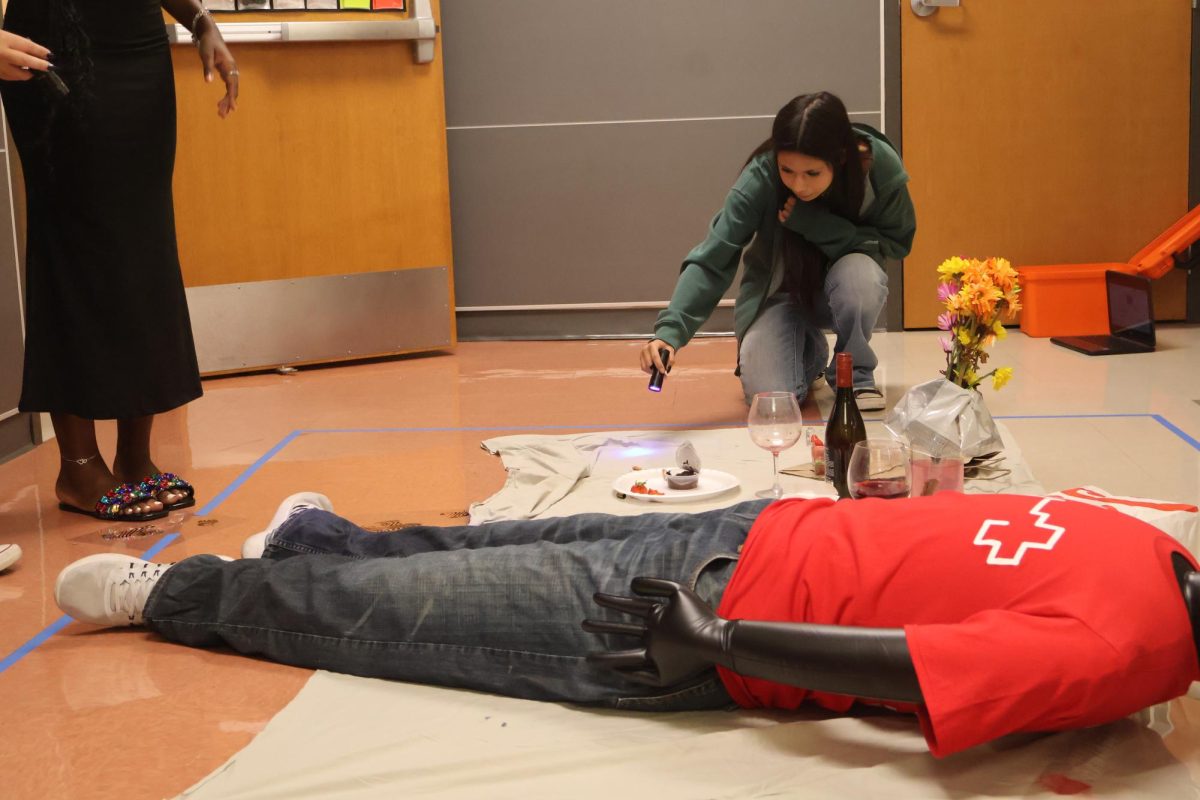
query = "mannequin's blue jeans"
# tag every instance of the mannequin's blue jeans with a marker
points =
(495, 607)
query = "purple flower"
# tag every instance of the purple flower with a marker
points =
(946, 321)
(947, 344)
(946, 291)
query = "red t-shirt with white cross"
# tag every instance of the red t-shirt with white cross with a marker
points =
(1021, 613)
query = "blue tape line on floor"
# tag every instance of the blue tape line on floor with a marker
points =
(62, 622)
(34, 643)
(1175, 430)
(224, 494)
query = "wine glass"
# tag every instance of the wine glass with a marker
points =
(879, 468)
(775, 425)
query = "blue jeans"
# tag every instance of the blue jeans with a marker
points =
(495, 607)
(785, 350)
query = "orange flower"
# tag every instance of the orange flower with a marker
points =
(976, 272)
(1012, 299)
(1003, 273)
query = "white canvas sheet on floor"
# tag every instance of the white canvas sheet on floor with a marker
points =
(554, 476)
(344, 737)
(349, 738)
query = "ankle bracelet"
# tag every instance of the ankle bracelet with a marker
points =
(80, 461)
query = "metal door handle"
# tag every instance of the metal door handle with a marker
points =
(923, 8)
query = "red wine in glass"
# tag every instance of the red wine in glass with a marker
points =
(884, 488)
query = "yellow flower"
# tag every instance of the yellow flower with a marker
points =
(1001, 377)
(999, 330)
(957, 305)
(964, 336)
(951, 266)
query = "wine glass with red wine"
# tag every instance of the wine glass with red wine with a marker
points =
(879, 468)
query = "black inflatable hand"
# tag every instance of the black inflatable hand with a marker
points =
(680, 634)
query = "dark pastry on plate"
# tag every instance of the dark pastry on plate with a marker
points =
(682, 477)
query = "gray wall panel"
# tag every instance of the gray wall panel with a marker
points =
(12, 339)
(615, 324)
(530, 61)
(16, 431)
(16, 436)
(591, 143)
(587, 214)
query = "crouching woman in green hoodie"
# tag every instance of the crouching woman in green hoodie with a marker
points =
(816, 210)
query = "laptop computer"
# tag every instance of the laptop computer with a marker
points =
(1130, 319)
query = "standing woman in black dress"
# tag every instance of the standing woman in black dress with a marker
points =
(107, 334)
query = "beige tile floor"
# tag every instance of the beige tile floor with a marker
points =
(100, 714)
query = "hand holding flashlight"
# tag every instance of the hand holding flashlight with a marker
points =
(657, 376)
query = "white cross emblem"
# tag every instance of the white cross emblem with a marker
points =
(1035, 534)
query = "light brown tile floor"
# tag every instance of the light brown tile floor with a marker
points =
(104, 714)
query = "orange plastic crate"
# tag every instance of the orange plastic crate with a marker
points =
(1065, 299)
(1069, 299)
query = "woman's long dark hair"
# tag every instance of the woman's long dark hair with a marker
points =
(817, 125)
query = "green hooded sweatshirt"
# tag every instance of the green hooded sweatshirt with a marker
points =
(750, 216)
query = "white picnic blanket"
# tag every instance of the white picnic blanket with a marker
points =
(560, 475)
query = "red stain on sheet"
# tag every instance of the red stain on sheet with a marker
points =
(1061, 784)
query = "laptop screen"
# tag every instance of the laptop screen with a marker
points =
(1129, 311)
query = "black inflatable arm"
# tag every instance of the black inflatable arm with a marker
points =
(681, 636)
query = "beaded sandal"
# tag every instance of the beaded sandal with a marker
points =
(111, 507)
(160, 482)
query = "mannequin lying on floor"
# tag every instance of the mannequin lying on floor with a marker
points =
(983, 614)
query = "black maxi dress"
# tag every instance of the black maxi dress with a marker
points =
(106, 320)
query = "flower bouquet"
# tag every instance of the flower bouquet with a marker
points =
(947, 418)
(976, 295)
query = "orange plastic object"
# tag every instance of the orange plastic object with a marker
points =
(1065, 299)
(1156, 259)
(1069, 299)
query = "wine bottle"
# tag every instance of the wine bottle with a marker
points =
(845, 428)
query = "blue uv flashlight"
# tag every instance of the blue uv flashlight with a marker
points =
(656, 377)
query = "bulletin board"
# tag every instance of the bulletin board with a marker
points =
(306, 5)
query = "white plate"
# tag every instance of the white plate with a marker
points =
(712, 482)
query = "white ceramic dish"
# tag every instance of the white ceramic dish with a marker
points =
(712, 483)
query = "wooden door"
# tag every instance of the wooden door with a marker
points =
(1044, 131)
(314, 222)
(333, 164)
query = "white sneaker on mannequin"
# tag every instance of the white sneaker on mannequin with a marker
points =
(107, 588)
(254, 546)
(9, 555)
